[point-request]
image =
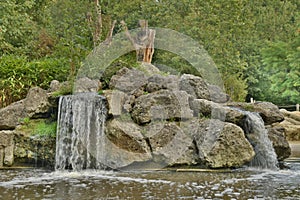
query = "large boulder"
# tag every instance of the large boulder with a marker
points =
(159, 82)
(222, 144)
(269, 112)
(6, 148)
(36, 103)
(12, 115)
(291, 124)
(162, 105)
(128, 80)
(217, 94)
(124, 145)
(118, 102)
(87, 85)
(170, 145)
(280, 144)
(206, 108)
(195, 86)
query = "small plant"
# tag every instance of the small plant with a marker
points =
(100, 92)
(25, 121)
(64, 90)
(249, 107)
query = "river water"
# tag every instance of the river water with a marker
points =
(94, 184)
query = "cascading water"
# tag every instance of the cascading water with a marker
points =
(79, 142)
(265, 156)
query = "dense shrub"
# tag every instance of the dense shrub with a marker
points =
(17, 75)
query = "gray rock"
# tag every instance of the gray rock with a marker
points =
(54, 86)
(222, 144)
(268, 111)
(12, 115)
(205, 108)
(217, 94)
(195, 86)
(170, 145)
(162, 105)
(1, 157)
(127, 80)
(6, 148)
(159, 82)
(36, 103)
(124, 145)
(116, 101)
(87, 85)
(280, 144)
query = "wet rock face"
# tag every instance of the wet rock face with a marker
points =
(87, 85)
(36, 151)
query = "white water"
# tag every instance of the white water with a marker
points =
(257, 134)
(79, 141)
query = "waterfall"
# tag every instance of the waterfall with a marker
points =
(256, 133)
(79, 140)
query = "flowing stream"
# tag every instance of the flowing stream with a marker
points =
(97, 184)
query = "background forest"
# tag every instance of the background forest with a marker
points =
(255, 44)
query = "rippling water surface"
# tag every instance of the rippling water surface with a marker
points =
(239, 184)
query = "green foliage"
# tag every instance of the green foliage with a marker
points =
(18, 75)
(282, 64)
(55, 37)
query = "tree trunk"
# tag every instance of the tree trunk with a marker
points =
(143, 42)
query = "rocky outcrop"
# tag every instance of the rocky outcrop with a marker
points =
(210, 109)
(128, 80)
(194, 86)
(153, 118)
